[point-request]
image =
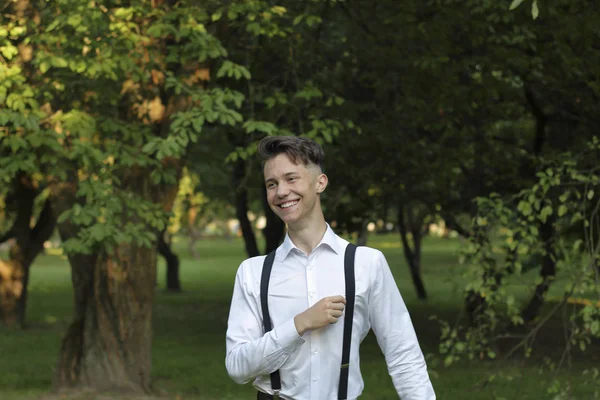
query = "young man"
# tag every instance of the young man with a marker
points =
(306, 296)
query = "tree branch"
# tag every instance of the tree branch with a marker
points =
(8, 235)
(453, 224)
(540, 119)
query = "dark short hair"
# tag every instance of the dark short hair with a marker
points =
(296, 148)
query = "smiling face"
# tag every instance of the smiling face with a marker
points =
(293, 189)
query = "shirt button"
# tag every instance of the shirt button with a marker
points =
(311, 294)
(315, 352)
(315, 379)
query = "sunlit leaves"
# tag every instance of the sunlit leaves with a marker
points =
(515, 4)
(94, 103)
(535, 11)
(516, 239)
(233, 70)
(260, 126)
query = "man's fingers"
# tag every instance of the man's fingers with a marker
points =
(334, 316)
(337, 299)
(337, 306)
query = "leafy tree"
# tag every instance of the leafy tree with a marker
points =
(100, 105)
(284, 48)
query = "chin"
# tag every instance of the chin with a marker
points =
(290, 218)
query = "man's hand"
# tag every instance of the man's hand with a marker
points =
(326, 311)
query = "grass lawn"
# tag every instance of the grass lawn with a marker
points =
(189, 328)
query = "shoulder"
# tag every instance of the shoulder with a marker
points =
(251, 264)
(251, 268)
(249, 274)
(367, 255)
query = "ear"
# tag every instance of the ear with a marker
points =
(322, 181)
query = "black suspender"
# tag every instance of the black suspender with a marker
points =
(348, 318)
(349, 257)
(264, 293)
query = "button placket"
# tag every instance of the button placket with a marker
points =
(312, 288)
(311, 285)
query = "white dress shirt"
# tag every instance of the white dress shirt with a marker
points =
(309, 365)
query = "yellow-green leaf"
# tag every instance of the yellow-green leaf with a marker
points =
(515, 4)
(562, 210)
(535, 11)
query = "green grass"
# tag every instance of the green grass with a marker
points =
(189, 342)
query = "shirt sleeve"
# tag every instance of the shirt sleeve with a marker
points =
(396, 336)
(251, 352)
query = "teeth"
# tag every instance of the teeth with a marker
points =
(288, 204)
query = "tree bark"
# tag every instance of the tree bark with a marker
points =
(363, 234)
(173, 282)
(29, 242)
(241, 208)
(412, 255)
(548, 272)
(274, 230)
(193, 237)
(108, 345)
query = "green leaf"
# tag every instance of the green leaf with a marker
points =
(562, 210)
(232, 14)
(298, 19)
(217, 15)
(515, 4)
(545, 213)
(17, 31)
(535, 11)
(448, 360)
(59, 62)
(525, 208)
(254, 28)
(279, 10)
(9, 51)
(590, 195)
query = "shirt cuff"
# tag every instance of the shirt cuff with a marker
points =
(287, 335)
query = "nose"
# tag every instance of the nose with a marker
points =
(282, 190)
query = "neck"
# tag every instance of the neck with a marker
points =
(306, 236)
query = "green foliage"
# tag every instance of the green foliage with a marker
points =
(512, 237)
(92, 85)
(535, 12)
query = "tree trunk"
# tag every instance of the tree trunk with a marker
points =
(11, 288)
(274, 231)
(108, 345)
(412, 255)
(14, 274)
(193, 237)
(173, 282)
(548, 272)
(363, 234)
(241, 208)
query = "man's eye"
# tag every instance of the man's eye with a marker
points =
(292, 179)
(270, 185)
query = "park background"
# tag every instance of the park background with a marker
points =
(460, 137)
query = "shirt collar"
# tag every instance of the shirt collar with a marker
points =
(329, 238)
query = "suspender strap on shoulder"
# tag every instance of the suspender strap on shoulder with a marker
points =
(348, 318)
(264, 296)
